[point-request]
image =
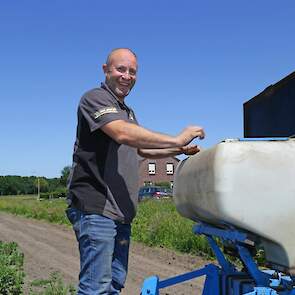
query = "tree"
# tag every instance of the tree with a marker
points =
(16, 185)
(54, 184)
(43, 184)
(65, 172)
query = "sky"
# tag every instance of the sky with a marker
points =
(199, 61)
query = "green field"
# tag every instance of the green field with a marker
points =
(156, 224)
(12, 275)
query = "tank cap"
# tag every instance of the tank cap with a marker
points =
(231, 140)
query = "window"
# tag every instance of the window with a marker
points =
(169, 168)
(152, 168)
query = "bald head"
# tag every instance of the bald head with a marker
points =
(120, 71)
(117, 52)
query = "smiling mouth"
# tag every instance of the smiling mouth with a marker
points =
(124, 87)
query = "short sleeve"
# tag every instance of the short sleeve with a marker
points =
(100, 108)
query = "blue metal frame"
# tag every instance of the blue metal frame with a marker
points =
(225, 279)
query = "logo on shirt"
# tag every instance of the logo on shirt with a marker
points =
(131, 116)
(104, 111)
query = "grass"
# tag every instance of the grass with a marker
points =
(29, 206)
(156, 224)
(52, 286)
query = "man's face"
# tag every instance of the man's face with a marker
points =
(120, 73)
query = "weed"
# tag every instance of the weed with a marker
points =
(52, 286)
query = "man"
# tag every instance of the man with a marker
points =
(103, 183)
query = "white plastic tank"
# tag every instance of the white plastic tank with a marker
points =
(247, 184)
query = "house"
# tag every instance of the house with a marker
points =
(153, 171)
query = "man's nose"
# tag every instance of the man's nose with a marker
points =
(126, 75)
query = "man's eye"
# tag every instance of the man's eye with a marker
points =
(132, 72)
(121, 69)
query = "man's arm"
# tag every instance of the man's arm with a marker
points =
(168, 152)
(131, 134)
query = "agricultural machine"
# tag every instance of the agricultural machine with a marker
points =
(241, 193)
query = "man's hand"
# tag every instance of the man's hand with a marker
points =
(190, 150)
(190, 133)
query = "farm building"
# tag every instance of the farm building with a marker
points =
(153, 171)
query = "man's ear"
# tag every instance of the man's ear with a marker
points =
(105, 68)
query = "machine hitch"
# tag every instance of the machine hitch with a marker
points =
(225, 278)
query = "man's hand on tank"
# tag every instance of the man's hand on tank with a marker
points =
(190, 150)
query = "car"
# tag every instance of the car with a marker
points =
(157, 192)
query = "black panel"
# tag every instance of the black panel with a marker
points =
(272, 112)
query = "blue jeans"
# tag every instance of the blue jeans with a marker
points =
(104, 249)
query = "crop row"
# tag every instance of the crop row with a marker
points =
(12, 275)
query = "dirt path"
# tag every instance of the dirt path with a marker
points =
(49, 247)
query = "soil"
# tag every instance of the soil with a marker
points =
(49, 248)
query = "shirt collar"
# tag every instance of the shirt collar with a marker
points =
(106, 87)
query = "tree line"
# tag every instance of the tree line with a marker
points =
(18, 185)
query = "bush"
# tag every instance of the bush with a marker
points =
(11, 269)
(163, 184)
